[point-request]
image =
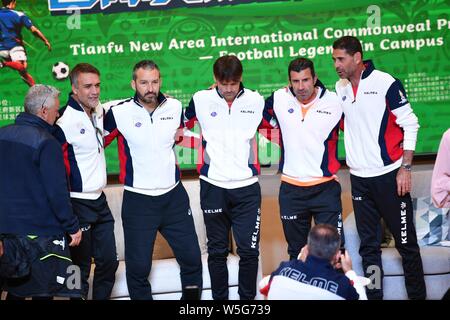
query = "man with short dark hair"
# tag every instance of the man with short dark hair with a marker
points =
(81, 136)
(11, 43)
(230, 195)
(308, 116)
(36, 215)
(380, 137)
(154, 198)
(312, 276)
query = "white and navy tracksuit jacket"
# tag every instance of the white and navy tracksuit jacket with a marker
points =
(309, 143)
(154, 198)
(145, 141)
(379, 123)
(313, 279)
(83, 150)
(229, 190)
(228, 157)
(309, 162)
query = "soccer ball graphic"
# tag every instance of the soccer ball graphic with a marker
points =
(60, 70)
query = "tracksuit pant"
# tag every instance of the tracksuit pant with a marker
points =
(375, 198)
(98, 242)
(170, 214)
(238, 210)
(299, 204)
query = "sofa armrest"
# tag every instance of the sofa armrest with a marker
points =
(352, 242)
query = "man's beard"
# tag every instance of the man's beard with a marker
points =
(148, 98)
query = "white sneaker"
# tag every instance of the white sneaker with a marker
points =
(1, 65)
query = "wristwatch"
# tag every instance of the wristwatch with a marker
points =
(406, 166)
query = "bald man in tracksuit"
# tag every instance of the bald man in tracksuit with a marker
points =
(308, 116)
(230, 194)
(154, 198)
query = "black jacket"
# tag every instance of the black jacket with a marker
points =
(34, 196)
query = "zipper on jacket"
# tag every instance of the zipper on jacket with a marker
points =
(151, 113)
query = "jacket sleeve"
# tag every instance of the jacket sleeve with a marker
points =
(357, 291)
(58, 133)
(440, 181)
(399, 105)
(269, 124)
(110, 127)
(190, 116)
(186, 138)
(53, 175)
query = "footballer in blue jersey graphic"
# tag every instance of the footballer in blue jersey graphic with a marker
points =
(12, 50)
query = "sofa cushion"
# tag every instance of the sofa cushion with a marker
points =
(114, 195)
(435, 260)
(165, 276)
(431, 223)
(161, 250)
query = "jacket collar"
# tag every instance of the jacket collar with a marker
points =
(74, 103)
(161, 99)
(370, 67)
(316, 261)
(240, 93)
(29, 119)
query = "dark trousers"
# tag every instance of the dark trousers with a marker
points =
(170, 214)
(11, 297)
(298, 205)
(237, 209)
(375, 198)
(98, 242)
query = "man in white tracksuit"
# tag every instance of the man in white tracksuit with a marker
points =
(230, 195)
(308, 116)
(154, 198)
(80, 132)
(380, 136)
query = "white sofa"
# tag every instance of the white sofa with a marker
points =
(436, 259)
(165, 272)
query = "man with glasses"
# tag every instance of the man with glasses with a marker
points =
(81, 136)
(36, 214)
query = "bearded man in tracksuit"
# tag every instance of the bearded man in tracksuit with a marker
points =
(230, 195)
(81, 136)
(308, 116)
(380, 137)
(154, 198)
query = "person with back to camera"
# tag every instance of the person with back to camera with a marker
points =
(314, 275)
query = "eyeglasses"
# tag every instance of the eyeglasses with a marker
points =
(46, 97)
(98, 134)
(100, 139)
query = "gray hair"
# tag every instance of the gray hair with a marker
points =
(323, 241)
(39, 96)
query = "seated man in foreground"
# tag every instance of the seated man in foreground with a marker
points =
(315, 275)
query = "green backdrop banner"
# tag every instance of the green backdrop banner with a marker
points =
(409, 39)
